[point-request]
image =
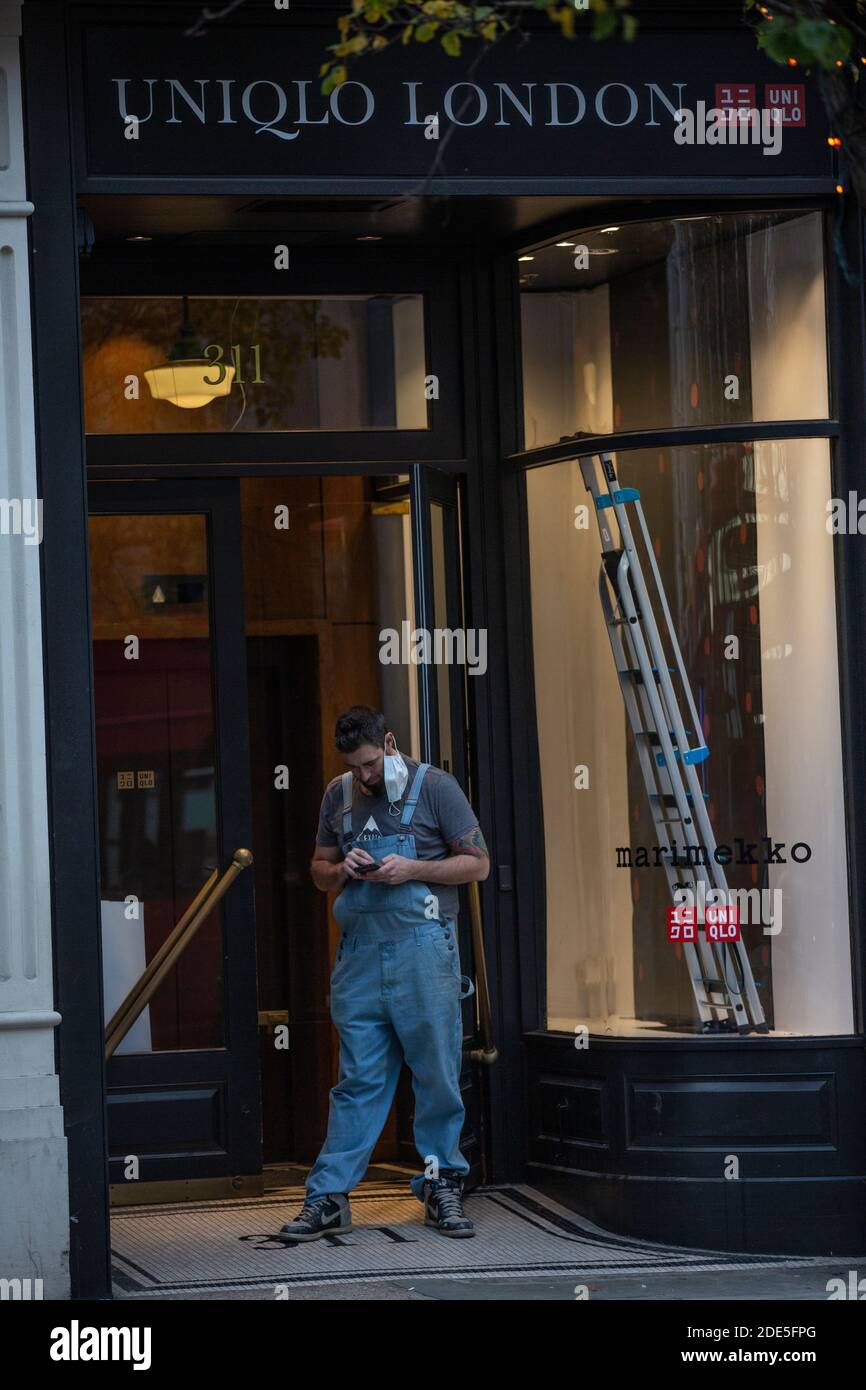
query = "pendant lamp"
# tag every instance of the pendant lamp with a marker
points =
(189, 379)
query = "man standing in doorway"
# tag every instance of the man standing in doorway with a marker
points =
(395, 838)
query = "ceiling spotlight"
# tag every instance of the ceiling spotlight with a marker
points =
(610, 229)
(526, 258)
(139, 238)
(369, 237)
(566, 243)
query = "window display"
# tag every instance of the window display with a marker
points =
(740, 538)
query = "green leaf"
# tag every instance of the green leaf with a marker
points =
(629, 27)
(778, 41)
(425, 32)
(482, 11)
(604, 24)
(451, 44)
(824, 41)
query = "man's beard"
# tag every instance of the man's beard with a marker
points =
(374, 788)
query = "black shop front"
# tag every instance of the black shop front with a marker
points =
(415, 305)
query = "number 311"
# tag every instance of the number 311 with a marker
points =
(217, 352)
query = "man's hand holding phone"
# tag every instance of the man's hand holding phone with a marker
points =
(358, 862)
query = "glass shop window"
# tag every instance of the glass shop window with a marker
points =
(739, 532)
(663, 324)
(175, 365)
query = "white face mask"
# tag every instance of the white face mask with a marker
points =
(396, 776)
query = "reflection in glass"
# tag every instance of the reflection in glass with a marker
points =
(156, 773)
(739, 533)
(702, 320)
(300, 363)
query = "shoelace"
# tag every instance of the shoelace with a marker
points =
(448, 1203)
(309, 1209)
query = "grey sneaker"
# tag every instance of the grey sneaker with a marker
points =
(443, 1205)
(323, 1216)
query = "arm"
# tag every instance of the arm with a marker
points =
(327, 868)
(457, 868)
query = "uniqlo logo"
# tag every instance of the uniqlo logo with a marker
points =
(736, 100)
(723, 923)
(789, 98)
(682, 923)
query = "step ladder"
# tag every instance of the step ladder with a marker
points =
(720, 972)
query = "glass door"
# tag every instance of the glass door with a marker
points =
(169, 669)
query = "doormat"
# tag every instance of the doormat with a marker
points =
(518, 1232)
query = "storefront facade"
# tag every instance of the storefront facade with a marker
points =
(420, 337)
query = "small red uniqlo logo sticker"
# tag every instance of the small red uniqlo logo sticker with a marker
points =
(789, 98)
(736, 99)
(682, 923)
(723, 923)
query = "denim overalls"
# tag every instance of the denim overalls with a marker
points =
(396, 989)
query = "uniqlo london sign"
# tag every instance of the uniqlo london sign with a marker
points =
(245, 103)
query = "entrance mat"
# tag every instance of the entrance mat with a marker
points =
(226, 1245)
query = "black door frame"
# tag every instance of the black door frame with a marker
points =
(200, 271)
(430, 486)
(226, 1077)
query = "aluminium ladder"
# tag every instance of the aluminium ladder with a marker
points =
(720, 972)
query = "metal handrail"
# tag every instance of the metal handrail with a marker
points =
(488, 1053)
(172, 948)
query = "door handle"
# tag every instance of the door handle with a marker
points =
(271, 1018)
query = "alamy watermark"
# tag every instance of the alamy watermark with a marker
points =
(17, 518)
(718, 125)
(444, 646)
(20, 1289)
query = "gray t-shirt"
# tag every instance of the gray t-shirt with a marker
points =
(442, 815)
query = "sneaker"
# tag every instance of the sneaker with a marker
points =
(323, 1216)
(443, 1205)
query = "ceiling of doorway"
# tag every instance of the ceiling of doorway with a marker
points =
(409, 220)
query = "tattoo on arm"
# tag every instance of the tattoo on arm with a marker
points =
(471, 843)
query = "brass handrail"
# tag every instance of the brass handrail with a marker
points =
(172, 948)
(153, 966)
(488, 1053)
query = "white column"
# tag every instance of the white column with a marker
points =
(34, 1196)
